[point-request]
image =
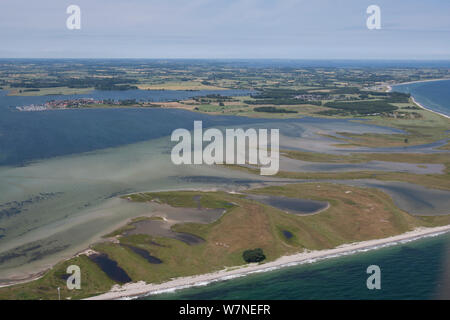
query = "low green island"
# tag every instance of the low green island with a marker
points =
(353, 215)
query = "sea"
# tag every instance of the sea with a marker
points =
(433, 95)
(42, 153)
(414, 270)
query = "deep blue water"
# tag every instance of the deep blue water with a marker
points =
(26, 136)
(414, 270)
(434, 95)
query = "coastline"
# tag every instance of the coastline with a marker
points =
(420, 105)
(133, 290)
(389, 89)
(389, 86)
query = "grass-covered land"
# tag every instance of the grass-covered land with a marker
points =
(355, 214)
(48, 91)
(276, 81)
(419, 127)
(93, 280)
(186, 199)
(359, 108)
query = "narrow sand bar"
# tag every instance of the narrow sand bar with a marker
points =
(142, 288)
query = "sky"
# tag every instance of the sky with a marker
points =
(226, 29)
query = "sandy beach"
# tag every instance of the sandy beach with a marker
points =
(389, 89)
(389, 86)
(142, 288)
(441, 114)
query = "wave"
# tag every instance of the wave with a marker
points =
(290, 264)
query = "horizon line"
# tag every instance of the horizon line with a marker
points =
(215, 58)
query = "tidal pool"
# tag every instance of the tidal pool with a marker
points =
(290, 205)
(110, 267)
(168, 216)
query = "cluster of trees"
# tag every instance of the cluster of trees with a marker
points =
(253, 255)
(31, 90)
(280, 97)
(273, 110)
(411, 108)
(359, 108)
(279, 93)
(288, 96)
(213, 98)
(121, 87)
(392, 97)
(283, 101)
(345, 90)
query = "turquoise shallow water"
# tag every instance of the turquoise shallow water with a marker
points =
(434, 95)
(413, 270)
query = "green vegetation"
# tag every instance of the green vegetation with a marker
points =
(253, 255)
(429, 128)
(285, 101)
(354, 215)
(273, 110)
(87, 82)
(49, 91)
(217, 108)
(358, 108)
(186, 199)
(93, 280)
(392, 97)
